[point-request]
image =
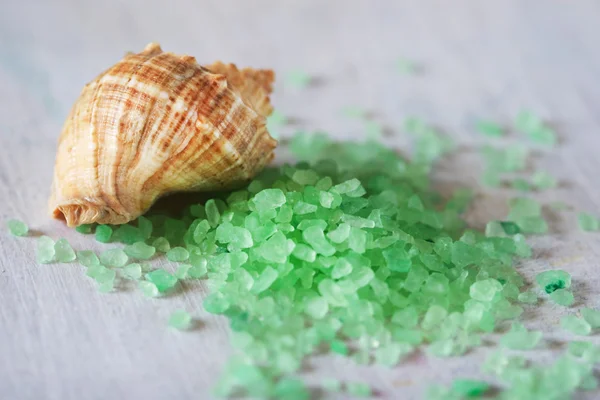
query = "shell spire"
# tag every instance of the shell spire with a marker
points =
(157, 123)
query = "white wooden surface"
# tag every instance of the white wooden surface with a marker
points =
(61, 339)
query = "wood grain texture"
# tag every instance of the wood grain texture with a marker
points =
(60, 339)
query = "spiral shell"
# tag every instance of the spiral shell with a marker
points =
(157, 123)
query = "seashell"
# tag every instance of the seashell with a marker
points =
(157, 123)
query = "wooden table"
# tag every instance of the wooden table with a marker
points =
(61, 339)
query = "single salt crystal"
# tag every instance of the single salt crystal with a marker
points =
(347, 186)
(358, 389)
(522, 249)
(180, 319)
(407, 317)
(553, 280)
(244, 279)
(275, 249)
(326, 199)
(415, 279)
(521, 207)
(269, 199)
(339, 347)
(498, 362)
(397, 259)
(464, 254)
(406, 67)
(145, 227)
(341, 268)
(223, 232)
(390, 354)
(519, 338)
(510, 228)
(529, 297)
(305, 177)
(63, 251)
(212, 213)
(200, 231)
(148, 289)
(113, 258)
(494, 229)
(298, 79)
(526, 121)
(290, 389)
(45, 250)
(521, 184)
(264, 280)
(106, 279)
(591, 316)
(216, 303)
(433, 317)
(562, 297)
(316, 307)
(162, 279)
(442, 348)
(332, 292)
(132, 271)
(161, 244)
(128, 234)
(357, 240)
(491, 178)
(532, 225)
(469, 388)
(331, 385)
(489, 128)
(103, 233)
(588, 222)
(199, 267)
(324, 183)
(302, 208)
(87, 258)
(543, 180)
(575, 325)
(358, 222)
(241, 238)
(255, 186)
(139, 250)
(17, 228)
(304, 252)
(415, 125)
(95, 270)
(182, 271)
(339, 234)
(178, 254)
(315, 237)
(544, 135)
(485, 290)
(579, 348)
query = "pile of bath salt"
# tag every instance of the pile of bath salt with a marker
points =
(350, 250)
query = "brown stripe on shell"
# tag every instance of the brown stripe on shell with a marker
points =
(129, 70)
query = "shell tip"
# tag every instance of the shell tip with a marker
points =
(152, 48)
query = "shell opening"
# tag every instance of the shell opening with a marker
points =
(78, 214)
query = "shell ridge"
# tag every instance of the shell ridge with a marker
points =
(145, 130)
(221, 91)
(151, 63)
(217, 130)
(116, 166)
(192, 110)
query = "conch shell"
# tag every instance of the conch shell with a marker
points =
(157, 123)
